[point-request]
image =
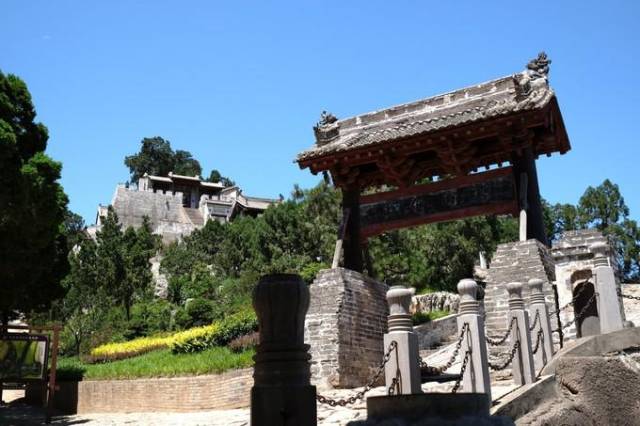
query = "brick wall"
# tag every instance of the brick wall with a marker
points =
(177, 394)
(345, 324)
(518, 261)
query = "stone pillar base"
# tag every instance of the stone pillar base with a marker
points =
(269, 404)
(430, 409)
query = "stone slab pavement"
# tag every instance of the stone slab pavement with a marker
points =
(16, 413)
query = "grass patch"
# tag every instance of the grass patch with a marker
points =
(422, 317)
(161, 363)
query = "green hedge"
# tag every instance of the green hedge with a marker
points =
(217, 334)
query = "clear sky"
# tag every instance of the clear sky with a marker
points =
(240, 84)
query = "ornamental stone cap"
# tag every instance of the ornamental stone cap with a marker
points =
(599, 249)
(535, 284)
(515, 289)
(468, 290)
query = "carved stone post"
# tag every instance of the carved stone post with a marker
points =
(522, 367)
(476, 377)
(282, 394)
(609, 305)
(538, 308)
(403, 364)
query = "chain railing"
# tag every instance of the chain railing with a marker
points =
(573, 300)
(499, 367)
(465, 362)
(500, 340)
(539, 338)
(582, 312)
(535, 321)
(370, 384)
(627, 296)
(432, 371)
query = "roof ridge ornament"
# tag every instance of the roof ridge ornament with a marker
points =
(535, 76)
(326, 129)
(539, 66)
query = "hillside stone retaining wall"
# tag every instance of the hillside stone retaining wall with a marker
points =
(433, 333)
(345, 324)
(167, 394)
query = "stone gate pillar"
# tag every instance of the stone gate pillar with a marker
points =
(282, 394)
(523, 369)
(538, 308)
(403, 364)
(476, 377)
(609, 303)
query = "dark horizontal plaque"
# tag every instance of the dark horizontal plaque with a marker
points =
(483, 193)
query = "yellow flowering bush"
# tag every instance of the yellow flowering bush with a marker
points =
(194, 339)
(122, 350)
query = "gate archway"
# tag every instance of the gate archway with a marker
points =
(588, 324)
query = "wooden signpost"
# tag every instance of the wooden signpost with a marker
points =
(17, 373)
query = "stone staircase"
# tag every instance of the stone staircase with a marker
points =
(194, 216)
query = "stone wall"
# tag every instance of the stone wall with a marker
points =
(176, 394)
(438, 301)
(571, 254)
(344, 326)
(518, 261)
(164, 210)
(433, 333)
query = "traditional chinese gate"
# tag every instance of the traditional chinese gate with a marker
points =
(502, 126)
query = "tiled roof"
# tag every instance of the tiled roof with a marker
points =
(524, 91)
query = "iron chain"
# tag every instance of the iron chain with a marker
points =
(535, 321)
(499, 367)
(573, 299)
(582, 311)
(539, 339)
(627, 296)
(439, 370)
(465, 361)
(501, 340)
(359, 395)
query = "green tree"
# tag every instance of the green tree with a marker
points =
(602, 206)
(215, 177)
(32, 207)
(185, 164)
(84, 301)
(123, 264)
(156, 157)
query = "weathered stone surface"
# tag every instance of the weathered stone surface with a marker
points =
(438, 301)
(574, 264)
(345, 325)
(518, 261)
(431, 334)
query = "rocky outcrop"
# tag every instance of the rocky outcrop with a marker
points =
(438, 301)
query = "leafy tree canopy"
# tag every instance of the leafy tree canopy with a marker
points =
(156, 157)
(32, 207)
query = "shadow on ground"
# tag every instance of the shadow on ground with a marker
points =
(18, 413)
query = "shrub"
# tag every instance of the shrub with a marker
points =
(122, 350)
(242, 343)
(424, 317)
(217, 334)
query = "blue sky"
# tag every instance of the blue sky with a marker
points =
(240, 84)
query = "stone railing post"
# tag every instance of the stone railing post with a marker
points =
(538, 308)
(609, 304)
(403, 364)
(476, 377)
(282, 394)
(522, 368)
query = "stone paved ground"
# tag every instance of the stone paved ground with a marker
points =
(17, 414)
